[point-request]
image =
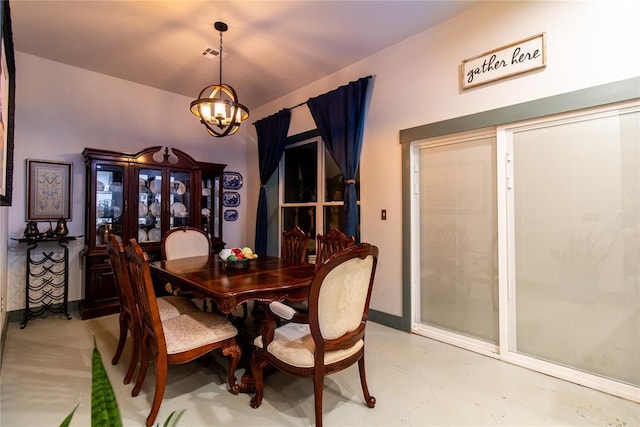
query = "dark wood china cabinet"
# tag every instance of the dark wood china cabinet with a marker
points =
(142, 196)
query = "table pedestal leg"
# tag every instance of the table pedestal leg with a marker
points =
(247, 385)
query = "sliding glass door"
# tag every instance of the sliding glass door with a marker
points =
(457, 241)
(526, 244)
(575, 239)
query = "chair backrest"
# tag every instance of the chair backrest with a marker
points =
(185, 242)
(330, 243)
(121, 275)
(339, 297)
(140, 276)
(294, 245)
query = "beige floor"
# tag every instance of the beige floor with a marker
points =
(46, 371)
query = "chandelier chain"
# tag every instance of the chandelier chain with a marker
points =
(221, 58)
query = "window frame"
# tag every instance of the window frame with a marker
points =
(320, 204)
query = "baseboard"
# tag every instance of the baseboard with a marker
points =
(18, 315)
(3, 337)
(386, 319)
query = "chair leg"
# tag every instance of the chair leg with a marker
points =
(122, 339)
(161, 383)
(135, 354)
(234, 352)
(318, 385)
(144, 365)
(369, 400)
(257, 365)
(245, 312)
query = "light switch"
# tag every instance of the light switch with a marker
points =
(383, 214)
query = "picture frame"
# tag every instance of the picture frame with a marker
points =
(48, 190)
(7, 105)
(507, 61)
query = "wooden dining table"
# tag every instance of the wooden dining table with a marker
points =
(267, 279)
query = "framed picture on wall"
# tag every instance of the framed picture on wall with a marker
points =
(7, 105)
(48, 190)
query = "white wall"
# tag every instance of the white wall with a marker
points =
(416, 82)
(61, 109)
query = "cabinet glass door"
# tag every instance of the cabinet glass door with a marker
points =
(149, 205)
(210, 205)
(109, 202)
(179, 199)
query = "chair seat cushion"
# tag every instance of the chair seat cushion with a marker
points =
(293, 344)
(172, 306)
(196, 329)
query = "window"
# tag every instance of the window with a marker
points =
(307, 170)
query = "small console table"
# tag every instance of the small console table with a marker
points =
(46, 284)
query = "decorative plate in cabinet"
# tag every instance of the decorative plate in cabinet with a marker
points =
(178, 187)
(178, 209)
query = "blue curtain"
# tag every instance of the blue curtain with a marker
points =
(272, 136)
(339, 116)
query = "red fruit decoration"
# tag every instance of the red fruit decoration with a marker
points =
(238, 253)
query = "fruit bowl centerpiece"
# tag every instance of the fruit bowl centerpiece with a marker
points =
(237, 258)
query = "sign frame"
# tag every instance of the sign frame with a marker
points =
(503, 62)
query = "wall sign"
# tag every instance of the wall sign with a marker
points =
(516, 58)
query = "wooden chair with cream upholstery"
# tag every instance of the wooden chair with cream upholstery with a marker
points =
(330, 243)
(331, 337)
(294, 249)
(326, 245)
(178, 340)
(184, 242)
(294, 245)
(129, 318)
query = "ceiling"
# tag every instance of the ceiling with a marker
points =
(271, 48)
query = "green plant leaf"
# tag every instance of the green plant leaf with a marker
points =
(67, 420)
(169, 423)
(104, 407)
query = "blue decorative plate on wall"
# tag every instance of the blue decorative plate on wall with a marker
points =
(230, 199)
(230, 215)
(231, 180)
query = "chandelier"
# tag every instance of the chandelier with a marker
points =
(217, 106)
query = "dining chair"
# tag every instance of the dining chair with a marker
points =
(129, 318)
(330, 243)
(184, 242)
(294, 245)
(177, 340)
(331, 336)
(294, 249)
(326, 245)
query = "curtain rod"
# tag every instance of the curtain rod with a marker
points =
(304, 102)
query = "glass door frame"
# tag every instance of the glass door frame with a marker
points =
(590, 97)
(440, 334)
(507, 267)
